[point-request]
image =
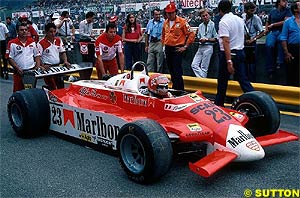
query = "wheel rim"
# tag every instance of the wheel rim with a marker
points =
(16, 115)
(255, 115)
(133, 153)
(250, 109)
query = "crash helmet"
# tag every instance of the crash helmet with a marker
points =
(158, 84)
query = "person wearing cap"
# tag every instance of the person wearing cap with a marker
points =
(114, 19)
(65, 26)
(177, 35)
(31, 33)
(231, 56)
(153, 45)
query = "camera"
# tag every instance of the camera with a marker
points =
(153, 39)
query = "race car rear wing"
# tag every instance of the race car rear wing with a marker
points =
(30, 77)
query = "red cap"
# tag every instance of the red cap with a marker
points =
(113, 19)
(170, 8)
(24, 16)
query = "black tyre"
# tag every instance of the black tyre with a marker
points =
(28, 112)
(145, 151)
(264, 116)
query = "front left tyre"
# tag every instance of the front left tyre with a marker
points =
(145, 151)
(28, 112)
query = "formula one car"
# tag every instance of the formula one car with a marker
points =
(146, 131)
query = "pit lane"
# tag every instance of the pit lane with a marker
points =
(49, 166)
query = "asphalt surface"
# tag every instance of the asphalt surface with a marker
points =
(50, 166)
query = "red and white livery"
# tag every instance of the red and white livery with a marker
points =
(145, 131)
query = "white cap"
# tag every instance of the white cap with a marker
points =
(55, 16)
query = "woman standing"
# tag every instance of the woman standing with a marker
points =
(131, 36)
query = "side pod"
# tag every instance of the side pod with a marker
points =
(276, 138)
(213, 162)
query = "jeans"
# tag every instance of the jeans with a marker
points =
(272, 41)
(223, 76)
(132, 54)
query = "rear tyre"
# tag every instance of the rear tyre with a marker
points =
(28, 112)
(145, 151)
(264, 116)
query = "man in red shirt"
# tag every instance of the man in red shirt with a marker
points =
(106, 46)
(23, 55)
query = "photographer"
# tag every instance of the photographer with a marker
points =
(153, 45)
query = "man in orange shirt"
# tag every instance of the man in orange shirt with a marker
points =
(177, 35)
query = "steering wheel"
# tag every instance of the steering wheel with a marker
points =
(138, 63)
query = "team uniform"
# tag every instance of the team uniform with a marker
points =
(107, 49)
(23, 55)
(50, 55)
(176, 34)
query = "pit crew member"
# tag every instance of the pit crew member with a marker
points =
(22, 54)
(106, 46)
(51, 49)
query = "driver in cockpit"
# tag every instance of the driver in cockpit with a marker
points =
(158, 86)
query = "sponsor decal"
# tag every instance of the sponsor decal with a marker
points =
(86, 125)
(92, 92)
(83, 47)
(253, 145)
(194, 127)
(113, 97)
(52, 98)
(68, 116)
(85, 137)
(236, 115)
(236, 140)
(96, 126)
(201, 107)
(197, 98)
(135, 100)
(53, 70)
(176, 108)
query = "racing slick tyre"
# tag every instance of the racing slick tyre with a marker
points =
(145, 151)
(264, 116)
(28, 112)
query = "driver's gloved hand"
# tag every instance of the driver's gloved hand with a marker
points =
(106, 77)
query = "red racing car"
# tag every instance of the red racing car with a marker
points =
(146, 131)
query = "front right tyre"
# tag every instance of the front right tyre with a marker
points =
(145, 151)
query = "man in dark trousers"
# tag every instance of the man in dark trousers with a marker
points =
(232, 56)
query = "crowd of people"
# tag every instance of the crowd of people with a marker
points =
(167, 36)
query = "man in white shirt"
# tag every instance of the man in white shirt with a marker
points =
(23, 55)
(232, 56)
(86, 27)
(3, 35)
(52, 51)
(207, 36)
(65, 25)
